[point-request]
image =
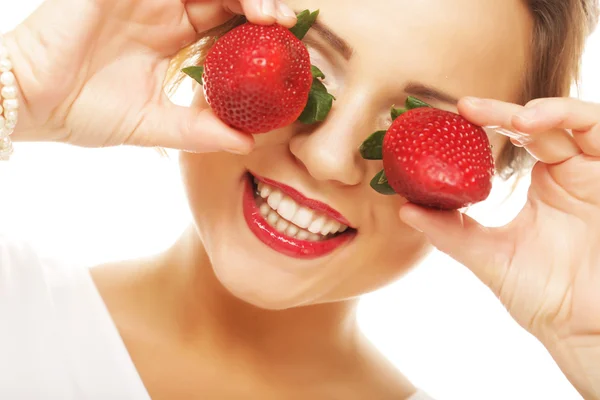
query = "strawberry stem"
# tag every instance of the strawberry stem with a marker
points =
(306, 19)
(412, 103)
(396, 112)
(195, 73)
(319, 100)
(381, 185)
(316, 72)
(370, 149)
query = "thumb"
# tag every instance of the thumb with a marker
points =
(190, 129)
(482, 250)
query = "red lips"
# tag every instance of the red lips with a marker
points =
(283, 243)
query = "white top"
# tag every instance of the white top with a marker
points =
(57, 339)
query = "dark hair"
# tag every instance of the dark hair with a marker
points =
(560, 30)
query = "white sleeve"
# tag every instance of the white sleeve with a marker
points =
(29, 354)
(20, 268)
(57, 339)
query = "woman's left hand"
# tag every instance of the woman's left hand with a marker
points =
(545, 265)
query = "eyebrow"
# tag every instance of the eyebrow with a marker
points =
(418, 89)
(334, 40)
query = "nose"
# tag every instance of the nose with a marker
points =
(330, 152)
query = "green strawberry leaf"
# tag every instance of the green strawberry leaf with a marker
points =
(370, 149)
(396, 112)
(319, 100)
(381, 185)
(316, 72)
(412, 103)
(195, 73)
(306, 19)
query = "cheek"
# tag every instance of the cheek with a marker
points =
(396, 257)
(385, 252)
(212, 183)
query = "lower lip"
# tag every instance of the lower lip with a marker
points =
(282, 243)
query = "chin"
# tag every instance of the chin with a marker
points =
(260, 285)
(257, 255)
(275, 246)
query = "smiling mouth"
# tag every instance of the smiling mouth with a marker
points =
(289, 217)
(291, 224)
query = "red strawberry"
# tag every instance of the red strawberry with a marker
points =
(258, 78)
(434, 158)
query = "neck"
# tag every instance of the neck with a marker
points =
(209, 313)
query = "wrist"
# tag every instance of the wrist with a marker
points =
(579, 360)
(23, 49)
(18, 69)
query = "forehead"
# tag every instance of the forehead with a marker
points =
(465, 47)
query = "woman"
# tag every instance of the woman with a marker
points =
(226, 315)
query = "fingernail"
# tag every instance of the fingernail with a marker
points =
(527, 114)
(474, 101)
(285, 11)
(520, 137)
(268, 8)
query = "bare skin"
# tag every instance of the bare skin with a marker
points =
(189, 338)
(221, 315)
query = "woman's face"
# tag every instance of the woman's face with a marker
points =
(373, 55)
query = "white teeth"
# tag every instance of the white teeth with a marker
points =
(303, 217)
(313, 237)
(265, 191)
(287, 208)
(292, 230)
(331, 226)
(274, 199)
(287, 216)
(302, 235)
(281, 225)
(264, 209)
(317, 224)
(272, 218)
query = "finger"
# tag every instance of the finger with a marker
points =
(188, 129)
(480, 249)
(550, 146)
(205, 15)
(582, 118)
(285, 15)
(268, 12)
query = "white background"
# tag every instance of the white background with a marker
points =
(439, 324)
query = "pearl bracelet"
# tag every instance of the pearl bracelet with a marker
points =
(10, 104)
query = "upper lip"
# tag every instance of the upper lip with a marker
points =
(305, 201)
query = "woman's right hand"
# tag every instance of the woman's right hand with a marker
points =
(91, 72)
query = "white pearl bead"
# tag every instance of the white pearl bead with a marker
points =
(11, 115)
(5, 156)
(5, 65)
(5, 143)
(2, 122)
(1, 110)
(10, 104)
(10, 125)
(9, 92)
(8, 78)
